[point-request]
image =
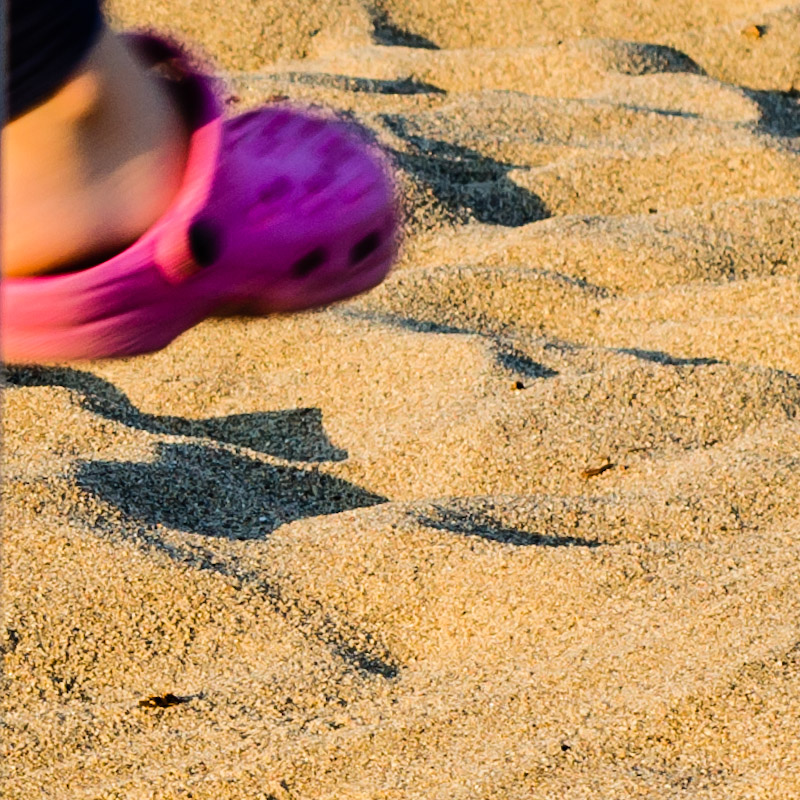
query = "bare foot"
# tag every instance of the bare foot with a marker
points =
(91, 169)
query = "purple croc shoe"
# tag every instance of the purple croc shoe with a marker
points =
(281, 209)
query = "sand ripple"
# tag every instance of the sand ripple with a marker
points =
(522, 522)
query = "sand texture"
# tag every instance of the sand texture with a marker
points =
(522, 523)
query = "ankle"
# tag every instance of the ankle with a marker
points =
(92, 168)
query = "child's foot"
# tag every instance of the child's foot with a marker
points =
(90, 170)
(279, 209)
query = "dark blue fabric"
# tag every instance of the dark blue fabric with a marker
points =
(47, 40)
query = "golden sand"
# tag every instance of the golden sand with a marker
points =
(522, 522)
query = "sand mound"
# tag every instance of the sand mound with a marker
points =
(521, 522)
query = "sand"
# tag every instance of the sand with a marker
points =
(520, 523)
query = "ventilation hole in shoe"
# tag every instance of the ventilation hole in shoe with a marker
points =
(336, 150)
(309, 262)
(361, 249)
(237, 123)
(321, 180)
(267, 201)
(312, 127)
(274, 190)
(203, 242)
(272, 133)
(278, 120)
(356, 190)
